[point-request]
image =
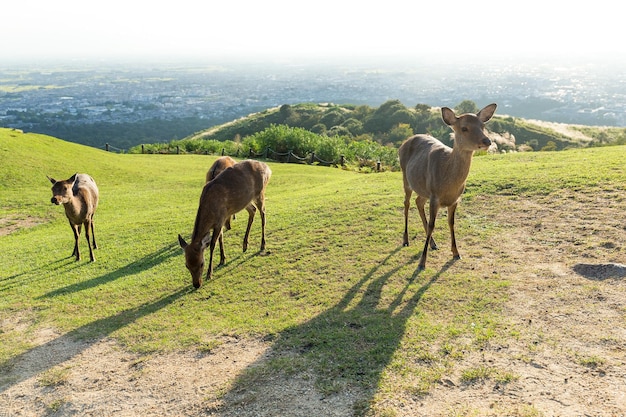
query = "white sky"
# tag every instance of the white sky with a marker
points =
(129, 28)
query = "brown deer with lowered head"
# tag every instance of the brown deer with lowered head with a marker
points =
(437, 173)
(229, 192)
(218, 166)
(79, 196)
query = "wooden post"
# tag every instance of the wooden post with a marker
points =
(342, 160)
(378, 166)
(177, 150)
(142, 149)
(223, 152)
(312, 158)
(106, 147)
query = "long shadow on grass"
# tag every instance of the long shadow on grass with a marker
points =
(24, 276)
(143, 264)
(63, 348)
(352, 343)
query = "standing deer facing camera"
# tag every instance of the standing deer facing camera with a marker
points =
(79, 196)
(437, 173)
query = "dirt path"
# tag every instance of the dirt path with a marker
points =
(567, 347)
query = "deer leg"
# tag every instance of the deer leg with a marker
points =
(214, 237)
(222, 254)
(451, 211)
(432, 211)
(251, 212)
(260, 203)
(88, 229)
(76, 230)
(407, 206)
(93, 235)
(421, 202)
(227, 224)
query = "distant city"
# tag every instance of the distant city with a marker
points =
(34, 96)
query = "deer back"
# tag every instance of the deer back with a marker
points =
(79, 195)
(230, 192)
(86, 187)
(218, 166)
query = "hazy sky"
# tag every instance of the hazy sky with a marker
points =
(257, 28)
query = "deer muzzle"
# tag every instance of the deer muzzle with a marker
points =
(485, 144)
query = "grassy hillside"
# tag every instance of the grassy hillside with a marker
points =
(337, 286)
(379, 123)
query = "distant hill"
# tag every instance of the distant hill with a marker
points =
(392, 122)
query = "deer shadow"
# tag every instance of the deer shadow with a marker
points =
(63, 348)
(140, 265)
(349, 344)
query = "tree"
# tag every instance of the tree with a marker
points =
(333, 117)
(550, 146)
(319, 128)
(285, 111)
(398, 134)
(382, 120)
(353, 125)
(466, 106)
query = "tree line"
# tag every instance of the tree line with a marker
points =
(362, 135)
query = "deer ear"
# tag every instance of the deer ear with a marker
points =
(486, 113)
(206, 240)
(448, 116)
(182, 242)
(52, 180)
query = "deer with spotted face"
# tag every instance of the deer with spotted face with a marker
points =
(437, 173)
(79, 195)
(233, 190)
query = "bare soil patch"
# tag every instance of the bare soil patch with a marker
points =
(10, 224)
(565, 352)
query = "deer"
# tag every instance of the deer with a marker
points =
(79, 195)
(218, 166)
(233, 190)
(437, 173)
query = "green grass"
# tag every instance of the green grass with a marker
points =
(337, 292)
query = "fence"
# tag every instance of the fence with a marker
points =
(268, 153)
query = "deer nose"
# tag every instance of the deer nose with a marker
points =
(486, 142)
(53, 200)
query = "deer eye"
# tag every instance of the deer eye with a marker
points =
(464, 129)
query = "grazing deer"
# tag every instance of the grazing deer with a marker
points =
(231, 191)
(218, 166)
(79, 196)
(437, 173)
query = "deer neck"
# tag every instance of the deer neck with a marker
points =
(459, 165)
(72, 209)
(203, 226)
